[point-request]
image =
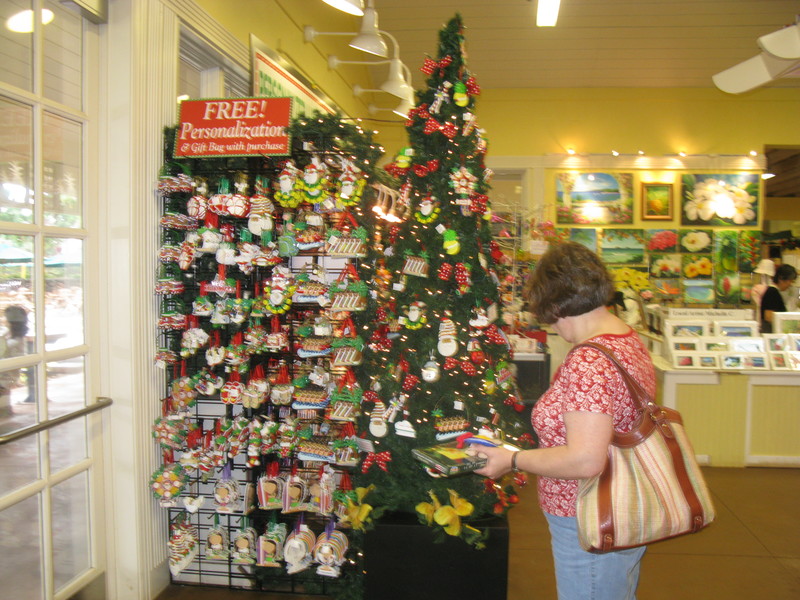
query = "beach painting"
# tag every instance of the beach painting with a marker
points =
(622, 246)
(584, 237)
(594, 198)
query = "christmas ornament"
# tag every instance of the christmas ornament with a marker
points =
(416, 317)
(463, 278)
(430, 371)
(451, 243)
(448, 343)
(428, 210)
(460, 94)
(445, 271)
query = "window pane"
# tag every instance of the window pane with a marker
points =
(63, 303)
(67, 444)
(16, 296)
(61, 171)
(21, 567)
(16, 47)
(19, 462)
(16, 171)
(62, 56)
(70, 504)
(65, 387)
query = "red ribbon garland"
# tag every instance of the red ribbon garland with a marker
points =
(429, 65)
(379, 458)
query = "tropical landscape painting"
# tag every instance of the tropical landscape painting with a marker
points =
(622, 246)
(594, 198)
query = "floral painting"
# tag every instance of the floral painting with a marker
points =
(728, 288)
(622, 246)
(634, 278)
(594, 198)
(667, 289)
(695, 240)
(730, 199)
(749, 250)
(665, 266)
(726, 251)
(696, 266)
(662, 240)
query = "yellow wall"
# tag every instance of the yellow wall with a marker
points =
(530, 122)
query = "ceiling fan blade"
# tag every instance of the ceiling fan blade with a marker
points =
(784, 43)
(752, 73)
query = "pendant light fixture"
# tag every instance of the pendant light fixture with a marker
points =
(369, 38)
(351, 7)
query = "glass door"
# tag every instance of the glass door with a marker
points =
(48, 493)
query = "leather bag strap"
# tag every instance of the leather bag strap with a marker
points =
(654, 418)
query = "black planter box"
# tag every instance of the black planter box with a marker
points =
(402, 561)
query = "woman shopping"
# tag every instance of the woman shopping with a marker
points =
(772, 300)
(576, 416)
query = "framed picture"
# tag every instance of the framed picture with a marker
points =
(786, 322)
(778, 361)
(716, 345)
(684, 360)
(793, 358)
(657, 202)
(732, 361)
(708, 361)
(685, 344)
(745, 344)
(686, 328)
(755, 361)
(776, 342)
(794, 342)
(736, 329)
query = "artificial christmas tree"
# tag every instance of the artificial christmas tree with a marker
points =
(437, 367)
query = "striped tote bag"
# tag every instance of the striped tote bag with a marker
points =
(651, 488)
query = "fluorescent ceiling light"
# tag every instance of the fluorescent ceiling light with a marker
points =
(547, 13)
(22, 22)
(351, 7)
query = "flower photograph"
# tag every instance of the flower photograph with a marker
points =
(662, 240)
(730, 199)
(696, 266)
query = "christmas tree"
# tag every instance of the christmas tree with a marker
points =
(438, 366)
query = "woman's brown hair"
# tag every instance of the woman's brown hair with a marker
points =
(569, 280)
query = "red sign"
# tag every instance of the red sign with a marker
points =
(234, 127)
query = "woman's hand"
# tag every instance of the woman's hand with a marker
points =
(498, 463)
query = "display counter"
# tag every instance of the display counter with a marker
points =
(736, 419)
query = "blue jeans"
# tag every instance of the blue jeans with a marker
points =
(581, 575)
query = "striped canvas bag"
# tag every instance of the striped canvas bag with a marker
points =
(651, 488)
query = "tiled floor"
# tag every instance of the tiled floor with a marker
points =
(751, 552)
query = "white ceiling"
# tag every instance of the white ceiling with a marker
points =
(596, 43)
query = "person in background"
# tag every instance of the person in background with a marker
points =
(772, 301)
(575, 418)
(12, 344)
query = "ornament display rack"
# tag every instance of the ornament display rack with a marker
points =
(206, 411)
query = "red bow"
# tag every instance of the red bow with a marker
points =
(379, 458)
(429, 65)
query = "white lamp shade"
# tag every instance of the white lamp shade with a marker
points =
(351, 7)
(368, 39)
(403, 108)
(396, 84)
(784, 43)
(752, 73)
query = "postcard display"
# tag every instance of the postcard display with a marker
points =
(726, 340)
(258, 288)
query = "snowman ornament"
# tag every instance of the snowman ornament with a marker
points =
(448, 343)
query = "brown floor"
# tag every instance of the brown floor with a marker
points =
(751, 552)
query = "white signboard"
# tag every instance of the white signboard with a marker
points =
(274, 77)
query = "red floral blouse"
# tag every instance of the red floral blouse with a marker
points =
(589, 381)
